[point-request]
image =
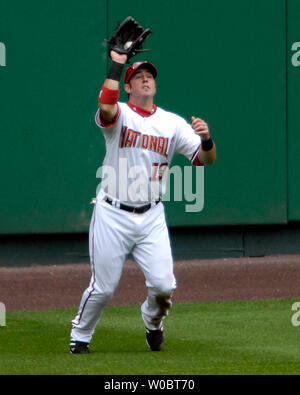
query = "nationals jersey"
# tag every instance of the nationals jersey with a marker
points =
(140, 146)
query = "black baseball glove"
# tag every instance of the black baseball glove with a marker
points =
(128, 38)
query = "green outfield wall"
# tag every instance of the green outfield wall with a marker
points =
(293, 113)
(235, 63)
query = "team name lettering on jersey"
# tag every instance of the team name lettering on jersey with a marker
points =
(133, 139)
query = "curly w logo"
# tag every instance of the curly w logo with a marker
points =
(2, 55)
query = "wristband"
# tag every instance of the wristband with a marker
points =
(109, 96)
(207, 145)
(115, 72)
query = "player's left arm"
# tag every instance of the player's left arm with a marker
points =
(207, 153)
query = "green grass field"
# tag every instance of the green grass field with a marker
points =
(252, 337)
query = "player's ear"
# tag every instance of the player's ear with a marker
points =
(127, 88)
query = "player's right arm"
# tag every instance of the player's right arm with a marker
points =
(110, 90)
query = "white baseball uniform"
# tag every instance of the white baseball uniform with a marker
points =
(140, 146)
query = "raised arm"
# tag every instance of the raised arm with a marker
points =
(126, 41)
(110, 91)
(207, 153)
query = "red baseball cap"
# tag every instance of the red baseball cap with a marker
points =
(135, 66)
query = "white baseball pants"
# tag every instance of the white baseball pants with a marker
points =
(114, 233)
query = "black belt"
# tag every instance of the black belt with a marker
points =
(136, 210)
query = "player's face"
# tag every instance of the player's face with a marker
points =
(142, 83)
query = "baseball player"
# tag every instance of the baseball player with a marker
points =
(129, 216)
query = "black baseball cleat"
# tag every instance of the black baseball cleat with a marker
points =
(77, 347)
(155, 339)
